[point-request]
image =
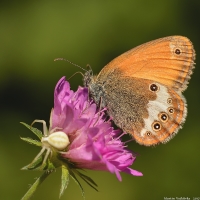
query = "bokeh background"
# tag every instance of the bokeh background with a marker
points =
(33, 33)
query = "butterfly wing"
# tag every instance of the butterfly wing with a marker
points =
(151, 115)
(168, 61)
(142, 88)
(166, 115)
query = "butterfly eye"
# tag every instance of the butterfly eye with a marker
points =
(153, 87)
(177, 51)
(170, 110)
(163, 117)
(156, 126)
(169, 100)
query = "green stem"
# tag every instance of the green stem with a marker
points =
(34, 187)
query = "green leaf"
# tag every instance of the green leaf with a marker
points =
(88, 180)
(64, 180)
(37, 132)
(77, 182)
(36, 165)
(35, 186)
(31, 141)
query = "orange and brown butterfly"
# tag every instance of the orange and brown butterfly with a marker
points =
(142, 88)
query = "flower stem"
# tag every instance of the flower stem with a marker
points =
(34, 187)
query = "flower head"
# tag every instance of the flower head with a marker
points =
(79, 137)
(94, 144)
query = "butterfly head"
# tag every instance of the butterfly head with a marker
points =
(88, 77)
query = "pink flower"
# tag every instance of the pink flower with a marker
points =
(79, 137)
(94, 144)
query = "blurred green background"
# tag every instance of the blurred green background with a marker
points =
(33, 33)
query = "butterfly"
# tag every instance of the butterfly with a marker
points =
(142, 88)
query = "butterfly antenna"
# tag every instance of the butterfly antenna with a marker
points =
(75, 74)
(56, 59)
